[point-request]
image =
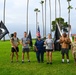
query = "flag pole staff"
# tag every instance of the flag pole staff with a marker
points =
(27, 16)
(4, 15)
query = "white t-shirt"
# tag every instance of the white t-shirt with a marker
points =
(49, 43)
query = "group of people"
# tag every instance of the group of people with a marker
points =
(14, 46)
(42, 45)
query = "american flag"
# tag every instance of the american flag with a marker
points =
(38, 32)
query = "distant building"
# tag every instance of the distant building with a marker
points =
(73, 35)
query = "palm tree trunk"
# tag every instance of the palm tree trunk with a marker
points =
(4, 16)
(55, 10)
(68, 13)
(59, 8)
(36, 20)
(27, 16)
(45, 18)
(50, 15)
(69, 20)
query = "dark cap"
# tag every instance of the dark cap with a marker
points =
(38, 36)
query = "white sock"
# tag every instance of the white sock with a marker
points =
(67, 60)
(62, 60)
(22, 60)
(28, 60)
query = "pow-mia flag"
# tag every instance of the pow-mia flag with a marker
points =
(57, 46)
(3, 30)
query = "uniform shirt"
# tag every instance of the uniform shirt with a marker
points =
(73, 46)
(49, 43)
(15, 40)
(39, 44)
(24, 41)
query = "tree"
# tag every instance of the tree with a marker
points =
(61, 24)
(69, 7)
(36, 10)
(42, 16)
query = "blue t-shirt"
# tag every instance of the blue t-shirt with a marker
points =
(39, 44)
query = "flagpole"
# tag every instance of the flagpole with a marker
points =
(27, 17)
(4, 15)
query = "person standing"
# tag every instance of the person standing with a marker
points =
(49, 48)
(25, 46)
(65, 41)
(73, 48)
(39, 49)
(14, 43)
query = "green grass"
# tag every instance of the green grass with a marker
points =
(33, 68)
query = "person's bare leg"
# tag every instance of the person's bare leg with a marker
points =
(28, 57)
(62, 58)
(12, 55)
(50, 57)
(67, 56)
(23, 57)
(47, 57)
(16, 56)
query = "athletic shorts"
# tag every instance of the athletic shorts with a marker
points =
(15, 50)
(25, 50)
(49, 50)
(64, 51)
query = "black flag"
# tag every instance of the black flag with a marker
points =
(30, 37)
(57, 35)
(3, 30)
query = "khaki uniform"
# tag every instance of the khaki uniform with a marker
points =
(73, 45)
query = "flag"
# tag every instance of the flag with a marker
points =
(30, 37)
(57, 35)
(38, 32)
(3, 30)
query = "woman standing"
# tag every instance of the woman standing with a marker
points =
(49, 48)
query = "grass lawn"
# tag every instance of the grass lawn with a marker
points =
(33, 68)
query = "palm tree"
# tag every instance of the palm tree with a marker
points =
(42, 16)
(27, 16)
(4, 15)
(69, 7)
(36, 10)
(50, 15)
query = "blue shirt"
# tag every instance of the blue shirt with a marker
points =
(39, 44)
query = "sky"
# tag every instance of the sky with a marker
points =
(15, 16)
